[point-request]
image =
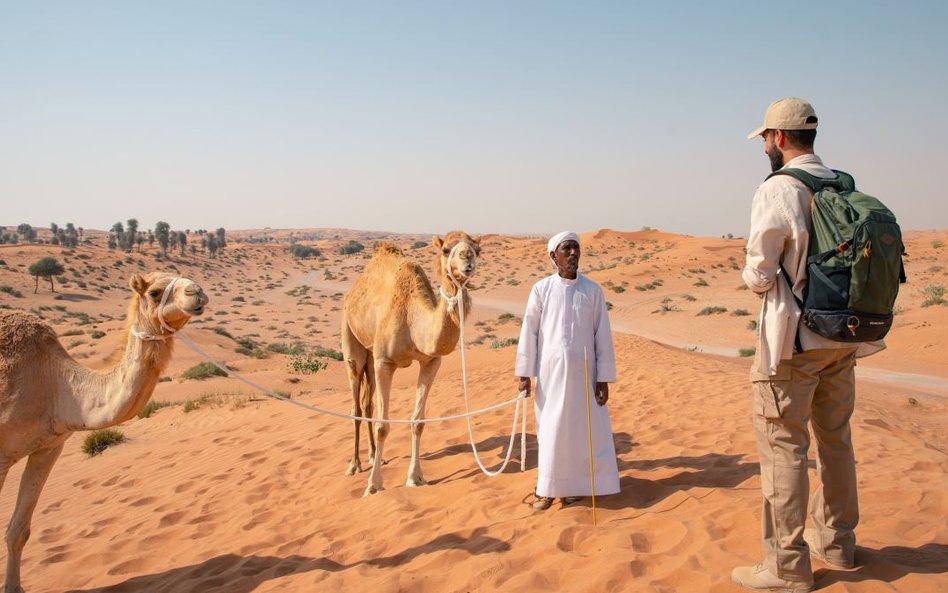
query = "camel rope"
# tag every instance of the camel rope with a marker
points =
(234, 375)
(520, 407)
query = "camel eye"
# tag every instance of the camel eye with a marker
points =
(154, 293)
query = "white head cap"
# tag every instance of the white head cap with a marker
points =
(555, 240)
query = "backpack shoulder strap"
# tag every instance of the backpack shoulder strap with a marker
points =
(842, 182)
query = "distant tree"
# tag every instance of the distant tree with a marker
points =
(151, 239)
(72, 235)
(47, 268)
(113, 244)
(304, 251)
(118, 229)
(131, 234)
(418, 244)
(351, 247)
(26, 231)
(221, 239)
(173, 240)
(54, 231)
(182, 241)
(212, 245)
(162, 230)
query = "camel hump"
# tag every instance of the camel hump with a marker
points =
(20, 332)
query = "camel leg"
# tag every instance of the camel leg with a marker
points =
(355, 355)
(384, 371)
(367, 396)
(426, 375)
(38, 467)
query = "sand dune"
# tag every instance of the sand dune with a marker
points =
(243, 493)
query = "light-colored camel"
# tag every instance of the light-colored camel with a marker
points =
(391, 317)
(45, 395)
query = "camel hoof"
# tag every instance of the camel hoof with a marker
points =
(370, 490)
(353, 469)
(419, 481)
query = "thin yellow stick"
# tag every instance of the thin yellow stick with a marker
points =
(592, 479)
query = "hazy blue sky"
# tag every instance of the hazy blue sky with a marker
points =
(510, 117)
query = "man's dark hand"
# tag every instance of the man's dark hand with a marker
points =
(602, 393)
(525, 384)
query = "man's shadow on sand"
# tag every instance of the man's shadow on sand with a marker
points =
(242, 574)
(887, 564)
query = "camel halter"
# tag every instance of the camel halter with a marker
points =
(453, 301)
(146, 337)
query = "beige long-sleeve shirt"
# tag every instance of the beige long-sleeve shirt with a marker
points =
(780, 232)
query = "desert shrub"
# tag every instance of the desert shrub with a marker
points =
(504, 343)
(752, 325)
(608, 306)
(11, 291)
(418, 245)
(938, 244)
(72, 332)
(617, 289)
(98, 441)
(222, 332)
(164, 379)
(696, 270)
(746, 352)
(351, 247)
(740, 312)
(284, 348)
(689, 298)
(239, 299)
(151, 407)
(712, 310)
(701, 282)
(505, 317)
(327, 353)
(934, 295)
(304, 251)
(203, 370)
(306, 365)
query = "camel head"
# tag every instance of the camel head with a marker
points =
(150, 305)
(457, 255)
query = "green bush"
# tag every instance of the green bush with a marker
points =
(327, 353)
(701, 282)
(202, 371)
(934, 295)
(746, 352)
(617, 289)
(504, 343)
(98, 441)
(10, 291)
(505, 317)
(712, 310)
(740, 312)
(938, 244)
(288, 349)
(306, 365)
(96, 334)
(151, 407)
(72, 332)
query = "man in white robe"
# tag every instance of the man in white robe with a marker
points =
(566, 314)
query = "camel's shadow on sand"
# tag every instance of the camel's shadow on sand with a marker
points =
(242, 574)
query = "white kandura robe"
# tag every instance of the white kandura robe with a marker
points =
(562, 317)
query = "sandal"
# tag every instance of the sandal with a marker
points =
(570, 499)
(542, 503)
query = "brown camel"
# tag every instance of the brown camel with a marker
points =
(391, 317)
(45, 395)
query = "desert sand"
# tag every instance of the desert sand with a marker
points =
(223, 489)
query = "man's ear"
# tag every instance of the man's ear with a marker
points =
(138, 284)
(437, 242)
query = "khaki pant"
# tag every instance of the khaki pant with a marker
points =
(817, 386)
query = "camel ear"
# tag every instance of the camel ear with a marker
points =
(477, 245)
(437, 241)
(138, 284)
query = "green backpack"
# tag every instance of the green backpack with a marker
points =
(854, 266)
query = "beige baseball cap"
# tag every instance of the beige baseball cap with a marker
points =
(789, 113)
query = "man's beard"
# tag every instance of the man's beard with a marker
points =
(776, 158)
